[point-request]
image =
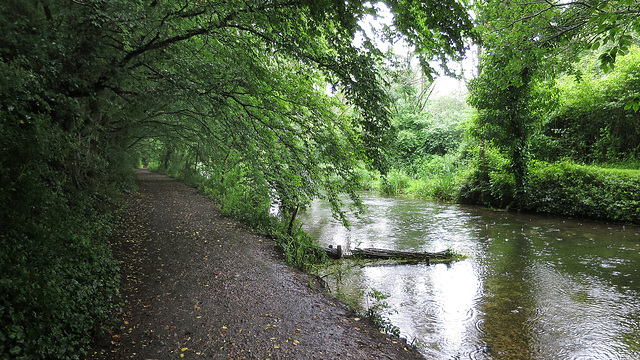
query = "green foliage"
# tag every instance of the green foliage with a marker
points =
(300, 250)
(231, 92)
(376, 309)
(439, 177)
(505, 115)
(244, 196)
(592, 122)
(432, 177)
(428, 134)
(521, 53)
(576, 190)
(59, 175)
(630, 165)
(58, 278)
(488, 183)
(561, 188)
(612, 24)
(422, 125)
(369, 180)
(59, 290)
(435, 28)
(395, 182)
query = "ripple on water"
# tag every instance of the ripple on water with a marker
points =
(479, 324)
(472, 352)
(601, 353)
(480, 352)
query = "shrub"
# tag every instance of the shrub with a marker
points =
(299, 249)
(369, 179)
(576, 190)
(443, 175)
(58, 278)
(395, 182)
(502, 185)
(58, 292)
(486, 182)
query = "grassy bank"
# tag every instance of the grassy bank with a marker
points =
(605, 192)
(434, 177)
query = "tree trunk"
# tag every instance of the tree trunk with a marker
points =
(294, 213)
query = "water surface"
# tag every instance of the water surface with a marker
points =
(533, 287)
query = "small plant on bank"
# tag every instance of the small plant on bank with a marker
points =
(300, 250)
(376, 308)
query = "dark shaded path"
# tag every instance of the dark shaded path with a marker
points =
(199, 285)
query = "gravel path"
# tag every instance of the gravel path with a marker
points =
(198, 285)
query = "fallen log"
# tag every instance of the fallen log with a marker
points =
(385, 254)
(334, 253)
(372, 253)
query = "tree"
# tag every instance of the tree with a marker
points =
(502, 91)
(86, 84)
(527, 43)
(288, 116)
(423, 124)
(592, 122)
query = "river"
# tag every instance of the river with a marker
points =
(532, 287)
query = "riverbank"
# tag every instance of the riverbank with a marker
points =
(197, 284)
(557, 189)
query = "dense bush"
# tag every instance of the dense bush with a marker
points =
(576, 190)
(395, 182)
(488, 183)
(563, 188)
(65, 154)
(431, 177)
(439, 177)
(436, 131)
(300, 250)
(592, 122)
(58, 278)
(60, 286)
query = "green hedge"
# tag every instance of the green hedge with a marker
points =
(561, 188)
(576, 190)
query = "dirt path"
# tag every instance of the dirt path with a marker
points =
(199, 285)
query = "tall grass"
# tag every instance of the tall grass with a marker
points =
(395, 182)
(435, 177)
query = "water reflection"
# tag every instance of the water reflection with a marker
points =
(533, 287)
(506, 303)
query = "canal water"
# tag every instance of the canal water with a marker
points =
(532, 287)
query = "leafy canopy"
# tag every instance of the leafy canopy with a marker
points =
(237, 86)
